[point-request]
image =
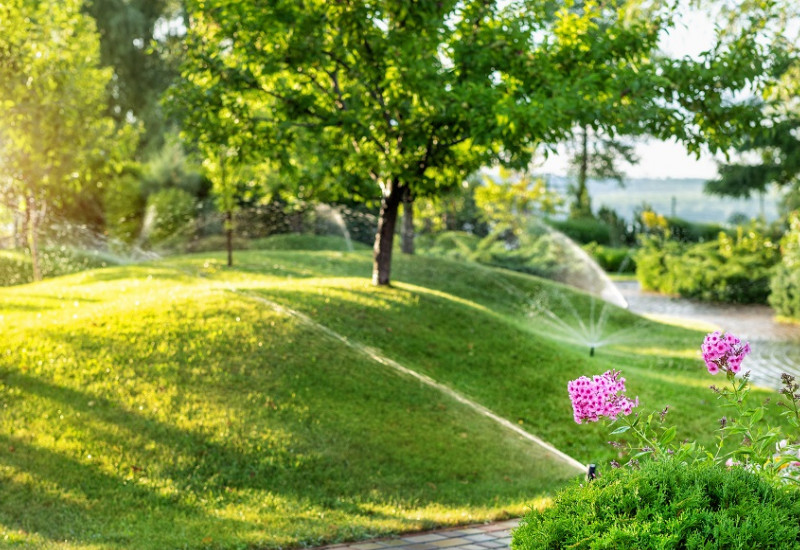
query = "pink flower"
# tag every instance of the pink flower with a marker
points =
(602, 395)
(723, 352)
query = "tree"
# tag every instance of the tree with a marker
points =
(596, 156)
(770, 152)
(138, 39)
(393, 96)
(508, 201)
(52, 98)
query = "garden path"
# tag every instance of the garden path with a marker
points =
(776, 346)
(489, 536)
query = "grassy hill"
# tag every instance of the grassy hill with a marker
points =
(172, 405)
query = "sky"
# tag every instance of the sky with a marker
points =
(693, 33)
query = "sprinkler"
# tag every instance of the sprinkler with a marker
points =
(592, 473)
(591, 351)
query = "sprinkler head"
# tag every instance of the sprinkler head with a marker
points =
(591, 351)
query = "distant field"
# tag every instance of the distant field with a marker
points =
(690, 201)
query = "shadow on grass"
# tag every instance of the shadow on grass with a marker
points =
(69, 499)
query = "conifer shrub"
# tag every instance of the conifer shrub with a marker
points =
(667, 504)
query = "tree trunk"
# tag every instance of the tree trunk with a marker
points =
(582, 207)
(229, 235)
(384, 237)
(20, 228)
(33, 242)
(408, 223)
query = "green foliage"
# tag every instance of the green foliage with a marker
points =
(168, 216)
(455, 245)
(612, 260)
(585, 230)
(371, 100)
(785, 282)
(620, 233)
(144, 61)
(730, 269)
(292, 241)
(667, 504)
(453, 210)
(124, 206)
(693, 232)
(16, 267)
(510, 202)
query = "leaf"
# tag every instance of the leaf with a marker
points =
(621, 430)
(668, 436)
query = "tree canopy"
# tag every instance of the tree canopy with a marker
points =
(52, 97)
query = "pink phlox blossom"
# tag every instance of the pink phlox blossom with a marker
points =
(724, 352)
(601, 395)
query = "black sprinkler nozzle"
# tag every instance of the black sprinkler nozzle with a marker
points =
(591, 351)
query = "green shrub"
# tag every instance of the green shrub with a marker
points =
(585, 230)
(692, 232)
(455, 245)
(168, 216)
(16, 267)
(612, 259)
(124, 206)
(667, 504)
(730, 269)
(785, 283)
(291, 241)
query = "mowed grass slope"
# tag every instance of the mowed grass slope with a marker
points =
(166, 406)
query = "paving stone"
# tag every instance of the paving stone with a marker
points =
(447, 543)
(458, 532)
(429, 537)
(503, 525)
(493, 544)
(367, 546)
(480, 538)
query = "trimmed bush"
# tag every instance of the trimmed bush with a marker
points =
(667, 505)
(585, 230)
(455, 245)
(611, 259)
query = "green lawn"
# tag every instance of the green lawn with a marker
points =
(166, 405)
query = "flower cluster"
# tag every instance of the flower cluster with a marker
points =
(723, 352)
(601, 395)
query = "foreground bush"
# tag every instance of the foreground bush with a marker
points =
(667, 504)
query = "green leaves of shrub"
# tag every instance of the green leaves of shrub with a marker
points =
(667, 504)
